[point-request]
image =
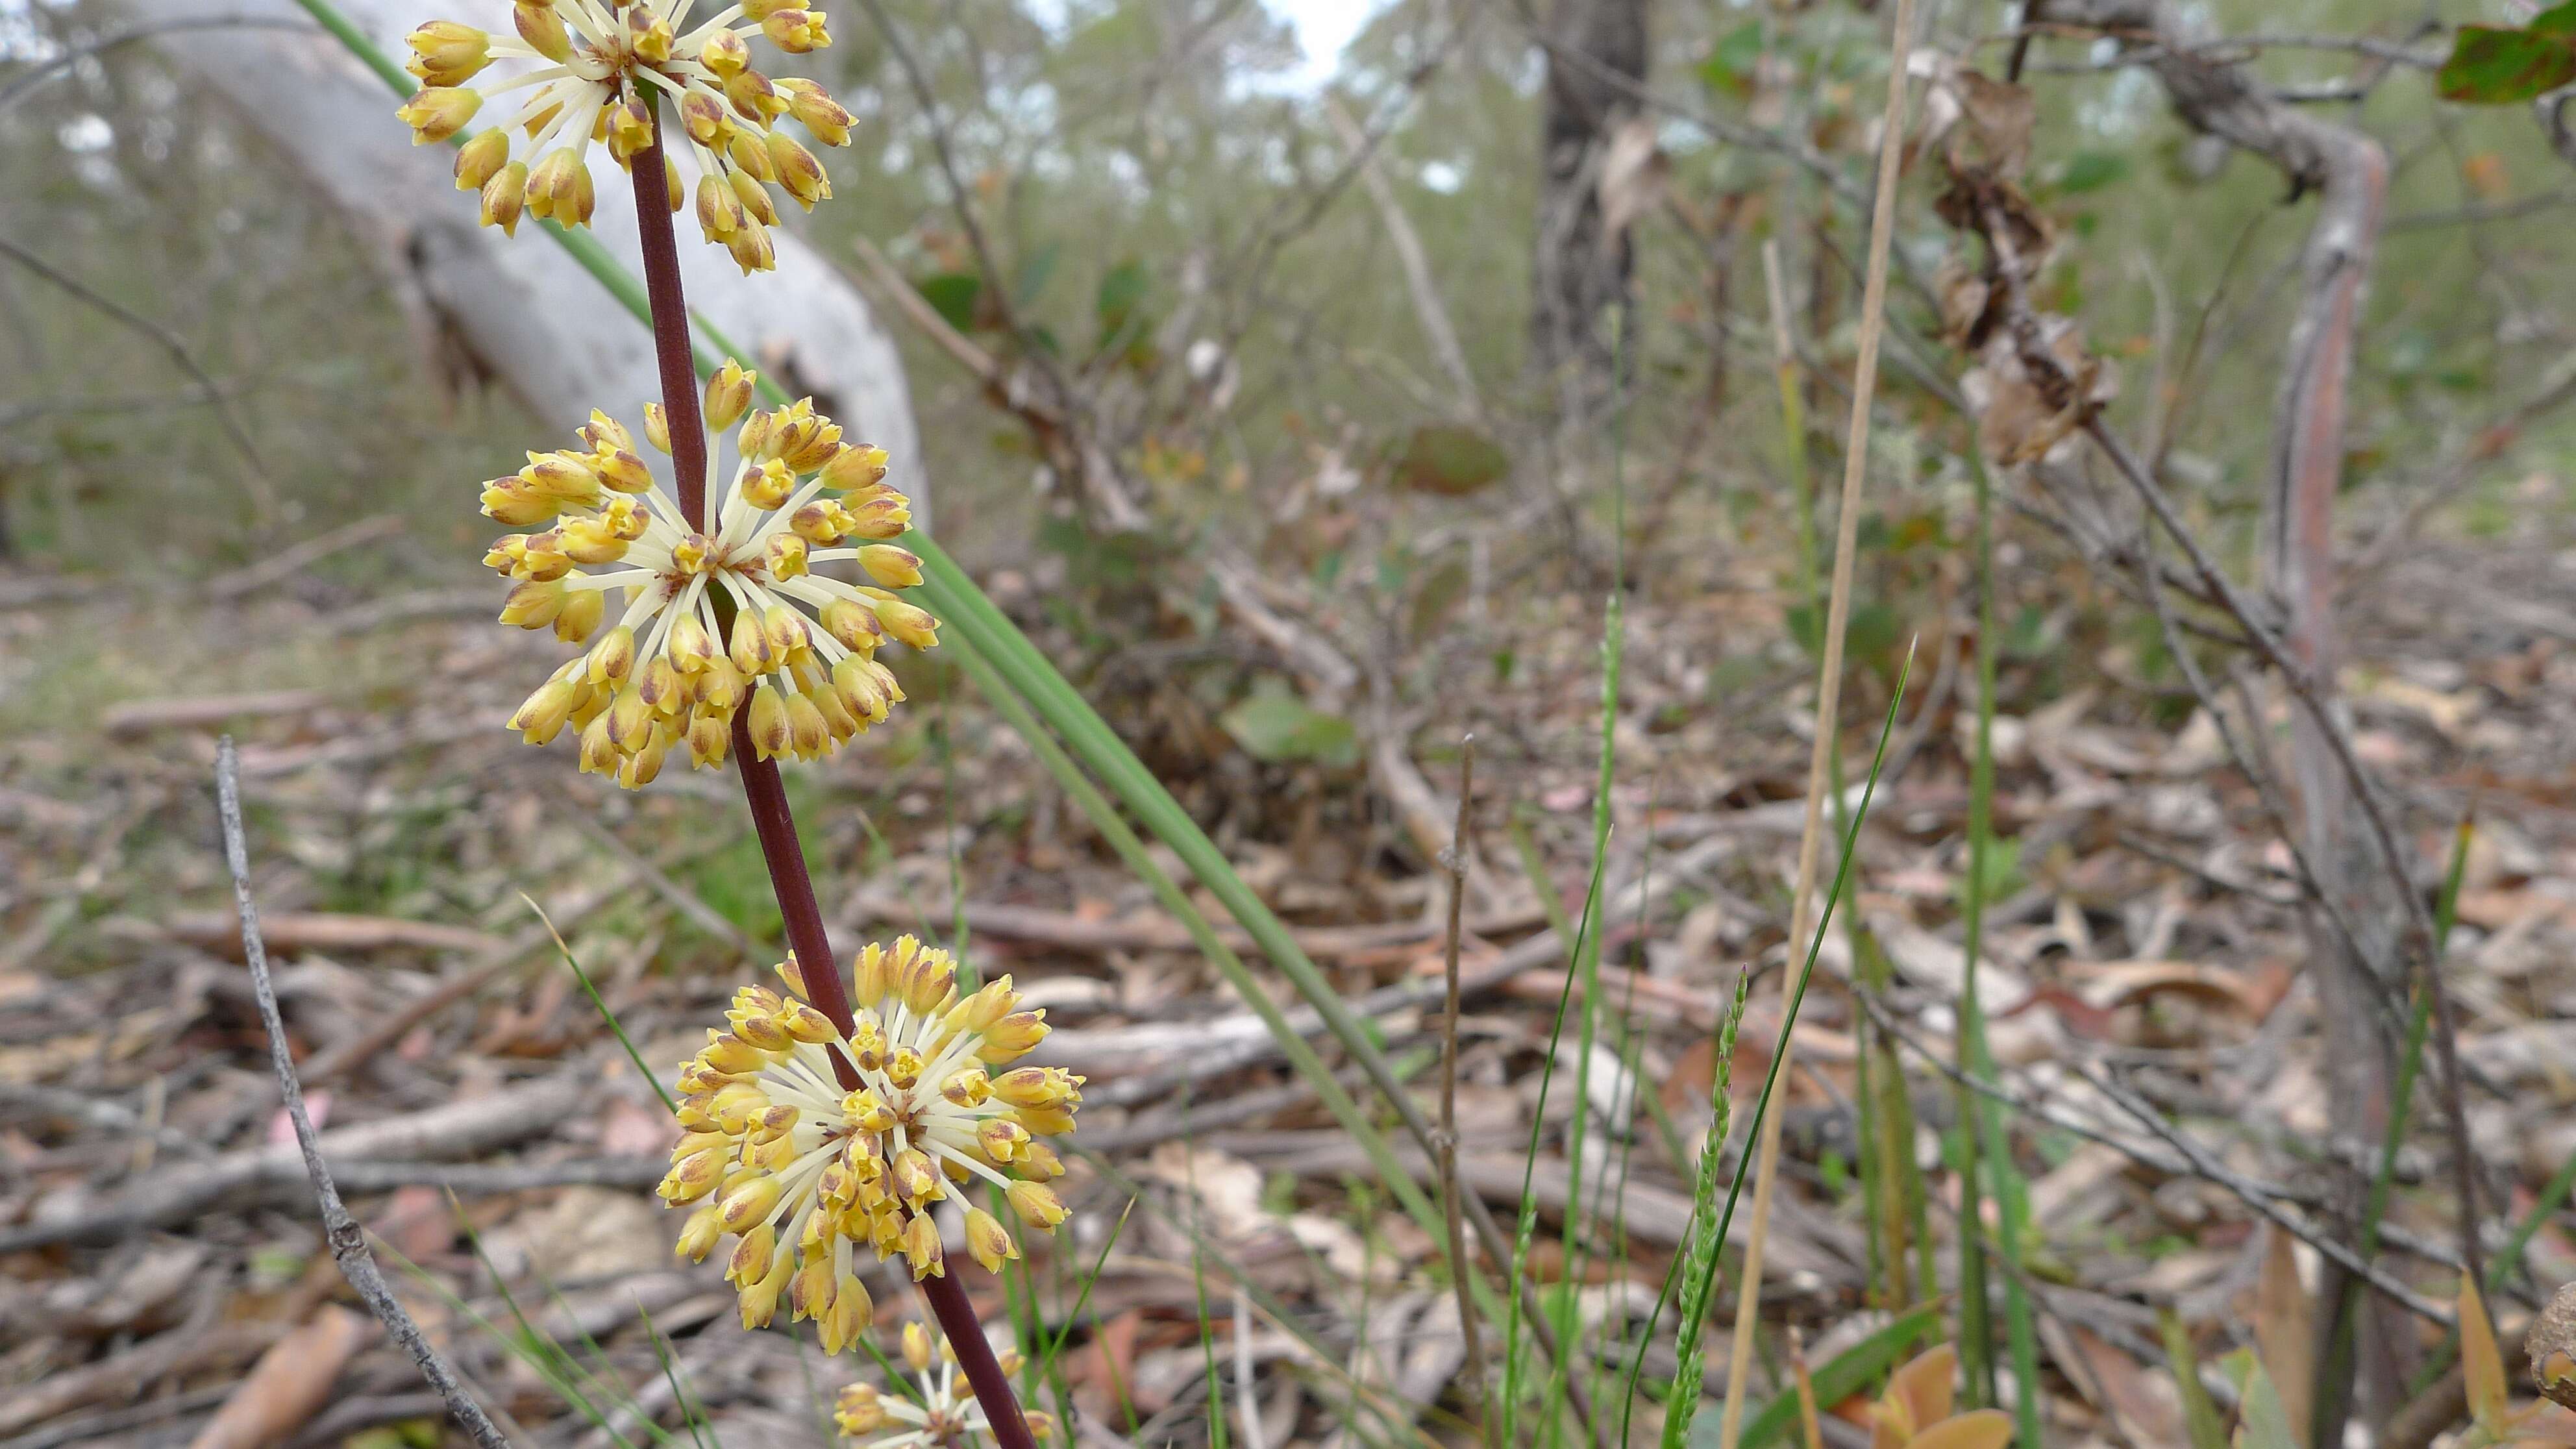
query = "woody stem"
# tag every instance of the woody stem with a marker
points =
(762, 789)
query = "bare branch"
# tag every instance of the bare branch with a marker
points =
(348, 1241)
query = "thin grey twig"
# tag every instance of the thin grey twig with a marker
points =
(348, 1241)
(1460, 1265)
(167, 340)
(27, 80)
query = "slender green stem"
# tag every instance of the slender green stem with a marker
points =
(1988, 1140)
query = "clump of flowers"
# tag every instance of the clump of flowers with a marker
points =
(942, 1414)
(601, 65)
(709, 622)
(808, 1144)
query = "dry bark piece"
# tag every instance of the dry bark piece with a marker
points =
(288, 1386)
(2552, 1346)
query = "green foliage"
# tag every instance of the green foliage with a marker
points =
(1275, 725)
(2489, 66)
(2091, 171)
(1450, 460)
(1735, 60)
(954, 296)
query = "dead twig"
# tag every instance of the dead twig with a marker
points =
(348, 1241)
(1829, 679)
(262, 492)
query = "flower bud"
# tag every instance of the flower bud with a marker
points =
(533, 605)
(542, 717)
(504, 196)
(1037, 1205)
(796, 31)
(768, 723)
(480, 159)
(910, 624)
(753, 196)
(921, 1249)
(751, 248)
(786, 556)
(700, 1234)
(648, 35)
(988, 1241)
(630, 129)
(517, 503)
(709, 739)
(435, 113)
(859, 1410)
(612, 657)
(724, 54)
(582, 611)
(448, 53)
(657, 427)
(719, 211)
(798, 171)
(816, 111)
(895, 568)
(543, 30)
(855, 467)
(768, 486)
(729, 394)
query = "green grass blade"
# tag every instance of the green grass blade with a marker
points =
(1987, 1144)
(1699, 1260)
(606, 1015)
(1850, 1372)
(1807, 968)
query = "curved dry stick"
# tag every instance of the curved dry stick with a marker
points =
(348, 1241)
(169, 342)
(27, 80)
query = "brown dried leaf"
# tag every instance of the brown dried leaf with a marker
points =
(288, 1385)
(1995, 120)
(1633, 174)
(1982, 1429)
(2284, 1329)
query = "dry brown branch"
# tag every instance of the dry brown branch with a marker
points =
(203, 711)
(287, 562)
(321, 931)
(263, 492)
(1748, 1304)
(1428, 308)
(175, 1194)
(348, 1241)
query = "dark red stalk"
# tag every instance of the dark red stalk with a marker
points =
(984, 1374)
(760, 782)
(761, 787)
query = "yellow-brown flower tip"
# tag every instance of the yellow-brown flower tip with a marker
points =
(669, 676)
(590, 70)
(805, 1174)
(938, 1411)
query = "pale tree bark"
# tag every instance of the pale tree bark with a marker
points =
(2347, 171)
(1596, 65)
(522, 310)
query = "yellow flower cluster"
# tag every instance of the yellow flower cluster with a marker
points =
(943, 1414)
(600, 68)
(805, 1169)
(709, 623)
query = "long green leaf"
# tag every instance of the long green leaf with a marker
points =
(1852, 1371)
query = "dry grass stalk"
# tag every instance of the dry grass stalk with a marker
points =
(1829, 674)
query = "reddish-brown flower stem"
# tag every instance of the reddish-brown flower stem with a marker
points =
(761, 788)
(956, 1314)
(671, 349)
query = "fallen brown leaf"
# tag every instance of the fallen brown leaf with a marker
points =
(287, 1386)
